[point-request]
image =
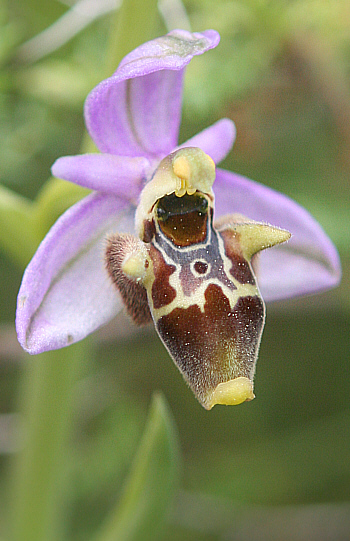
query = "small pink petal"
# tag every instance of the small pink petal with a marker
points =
(117, 175)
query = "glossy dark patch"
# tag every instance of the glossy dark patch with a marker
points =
(183, 219)
(171, 205)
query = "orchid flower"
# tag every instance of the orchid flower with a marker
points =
(146, 238)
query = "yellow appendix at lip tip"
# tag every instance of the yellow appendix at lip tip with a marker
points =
(232, 393)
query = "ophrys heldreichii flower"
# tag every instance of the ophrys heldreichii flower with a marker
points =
(167, 258)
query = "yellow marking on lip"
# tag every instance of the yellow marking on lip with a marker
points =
(232, 393)
(184, 301)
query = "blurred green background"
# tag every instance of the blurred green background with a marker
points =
(278, 467)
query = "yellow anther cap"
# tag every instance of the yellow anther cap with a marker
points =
(183, 172)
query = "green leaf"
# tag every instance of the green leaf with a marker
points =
(57, 82)
(134, 25)
(17, 232)
(54, 199)
(151, 484)
(297, 465)
(38, 14)
(40, 471)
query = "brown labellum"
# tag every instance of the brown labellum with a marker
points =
(194, 279)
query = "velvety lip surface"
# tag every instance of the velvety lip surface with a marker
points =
(133, 118)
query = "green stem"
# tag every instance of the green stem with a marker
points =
(17, 232)
(135, 24)
(40, 468)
